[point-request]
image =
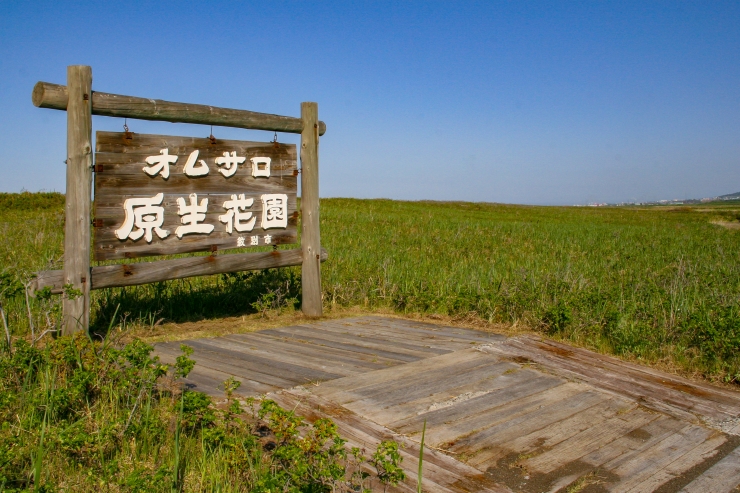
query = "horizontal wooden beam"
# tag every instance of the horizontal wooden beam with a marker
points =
(111, 276)
(55, 96)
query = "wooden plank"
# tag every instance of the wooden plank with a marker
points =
(441, 472)
(494, 443)
(380, 347)
(123, 178)
(109, 185)
(333, 390)
(54, 96)
(636, 442)
(395, 391)
(290, 335)
(722, 477)
(311, 303)
(132, 143)
(721, 396)
(109, 247)
(483, 381)
(675, 396)
(588, 440)
(431, 341)
(651, 480)
(469, 419)
(380, 338)
(360, 361)
(423, 327)
(551, 426)
(637, 472)
(339, 369)
(209, 380)
(118, 275)
(76, 310)
(298, 374)
(243, 369)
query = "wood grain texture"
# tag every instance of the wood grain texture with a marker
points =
(441, 472)
(492, 407)
(311, 303)
(663, 392)
(77, 203)
(723, 477)
(54, 96)
(119, 275)
(120, 176)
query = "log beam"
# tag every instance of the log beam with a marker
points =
(119, 275)
(54, 96)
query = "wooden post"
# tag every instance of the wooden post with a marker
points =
(310, 235)
(77, 208)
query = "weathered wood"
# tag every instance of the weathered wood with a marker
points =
(77, 207)
(308, 354)
(53, 96)
(723, 477)
(372, 362)
(211, 381)
(660, 391)
(228, 366)
(500, 440)
(441, 473)
(482, 381)
(320, 369)
(500, 413)
(347, 388)
(310, 235)
(295, 372)
(346, 343)
(428, 340)
(121, 176)
(119, 275)
(582, 443)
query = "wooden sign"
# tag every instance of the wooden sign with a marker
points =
(163, 195)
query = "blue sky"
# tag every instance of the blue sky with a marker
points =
(518, 102)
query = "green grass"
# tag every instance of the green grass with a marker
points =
(83, 416)
(657, 284)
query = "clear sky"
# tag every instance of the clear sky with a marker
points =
(520, 102)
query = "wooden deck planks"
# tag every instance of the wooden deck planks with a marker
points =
(441, 472)
(645, 384)
(570, 415)
(722, 477)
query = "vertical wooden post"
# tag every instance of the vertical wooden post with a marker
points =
(310, 234)
(77, 208)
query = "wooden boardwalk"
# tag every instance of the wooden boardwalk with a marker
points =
(502, 414)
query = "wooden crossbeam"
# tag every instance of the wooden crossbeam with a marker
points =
(119, 275)
(55, 96)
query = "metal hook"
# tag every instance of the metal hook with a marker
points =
(213, 139)
(126, 134)
(275, 141)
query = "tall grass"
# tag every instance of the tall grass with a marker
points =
(79, 415)
(652, 283)
(658, 284)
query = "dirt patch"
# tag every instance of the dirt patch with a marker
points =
(727, 224)
(575, 476)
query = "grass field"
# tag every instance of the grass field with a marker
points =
(658, 284)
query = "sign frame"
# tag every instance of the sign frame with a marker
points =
(80, 102)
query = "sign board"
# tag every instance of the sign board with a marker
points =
(164, 195)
